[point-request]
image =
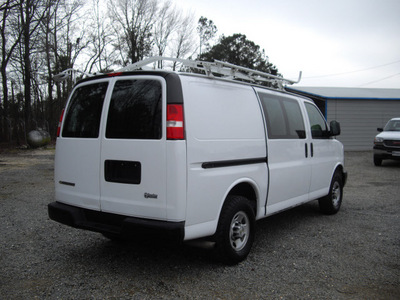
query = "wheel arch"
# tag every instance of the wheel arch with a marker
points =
(340, 168)
(247, 189)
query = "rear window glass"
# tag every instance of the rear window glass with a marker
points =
(296, 127)
(135, 110)
(283, 116)
(84, 111)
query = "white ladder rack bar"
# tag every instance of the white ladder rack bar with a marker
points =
(228, 70)
(259, 73)
(69, 73)
(147, 61)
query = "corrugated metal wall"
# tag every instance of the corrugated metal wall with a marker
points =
(360, 118)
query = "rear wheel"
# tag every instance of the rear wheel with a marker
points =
(330, 204)
(235, 232)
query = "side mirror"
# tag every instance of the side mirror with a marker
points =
(379, 129)
(335, 128)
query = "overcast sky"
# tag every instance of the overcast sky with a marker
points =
(342, 43)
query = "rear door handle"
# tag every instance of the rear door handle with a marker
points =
(312, 149)
(306, 149)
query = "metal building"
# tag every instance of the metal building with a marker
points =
(360, 111)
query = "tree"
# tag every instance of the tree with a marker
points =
(9, 42)
(133, 21)
(238, 50)
(31, 14)
(206, 30)
(167, 21)
(99, 55)
(183, 43)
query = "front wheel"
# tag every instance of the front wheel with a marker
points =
(114, 237)
(377, 161)
(235, 232)
(330, 204)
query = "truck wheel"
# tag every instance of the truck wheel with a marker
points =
(377, 161)
(330, 204)
(113, 237)
(235, 232)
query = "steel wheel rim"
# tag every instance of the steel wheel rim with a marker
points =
(239, 231)
(336, 194)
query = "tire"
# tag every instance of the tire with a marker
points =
(330, 204)
(113, 237)
(377, 161)
(235, 232)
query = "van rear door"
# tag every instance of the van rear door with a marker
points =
(133, 148)
(77, 158)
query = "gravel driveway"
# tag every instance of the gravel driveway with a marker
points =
(298, 254)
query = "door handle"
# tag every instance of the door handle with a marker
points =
(312, 150)
(306, 148)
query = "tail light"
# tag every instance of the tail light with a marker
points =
(59, 123)
(175, 128)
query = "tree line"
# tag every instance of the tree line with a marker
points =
(41, 38)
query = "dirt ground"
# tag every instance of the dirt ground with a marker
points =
(298, 254)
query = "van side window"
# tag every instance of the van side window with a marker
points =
(283, 116)
(135, 110)
(84, 111)
(319, 129)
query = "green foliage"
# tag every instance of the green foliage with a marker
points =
(238, 50)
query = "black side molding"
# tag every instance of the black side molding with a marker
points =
(232, 163)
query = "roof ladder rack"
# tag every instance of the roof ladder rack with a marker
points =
(69, 73)
(220, 68)
(224, 69)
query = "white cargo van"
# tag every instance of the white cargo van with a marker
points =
(194, 156)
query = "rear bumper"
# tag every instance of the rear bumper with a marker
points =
(102, 222)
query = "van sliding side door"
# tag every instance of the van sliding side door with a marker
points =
(289, 166)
